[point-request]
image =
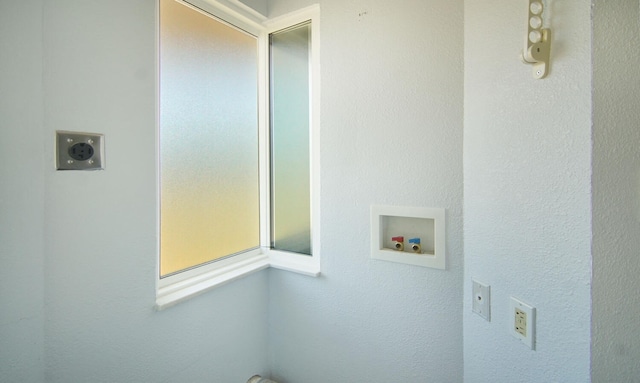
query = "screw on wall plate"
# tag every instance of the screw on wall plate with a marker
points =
(79, 151)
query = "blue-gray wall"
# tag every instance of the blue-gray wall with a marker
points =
(391, 134)
(78, 250)
(22, 188)
(616, 191)
(89, 316)
(527, 192)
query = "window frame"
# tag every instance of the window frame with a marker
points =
(304, 264)
(181, 286)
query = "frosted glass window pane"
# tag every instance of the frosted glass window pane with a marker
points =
(291, 209)
(208, 139)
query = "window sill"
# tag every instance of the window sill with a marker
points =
(296, 263)
(175, 293)
(183, 290)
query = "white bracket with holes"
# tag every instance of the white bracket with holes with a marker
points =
(537, 47)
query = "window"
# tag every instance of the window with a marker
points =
(208, 139)
(238, 146)
(290, 160)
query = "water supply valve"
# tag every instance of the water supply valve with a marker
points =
(415, 245)
(398, 243)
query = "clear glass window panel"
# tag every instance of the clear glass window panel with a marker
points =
(208, 139)
(290, 170)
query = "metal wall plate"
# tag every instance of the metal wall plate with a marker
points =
(79, 151)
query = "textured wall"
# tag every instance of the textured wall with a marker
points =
(527, 165)
(616, 192)
(21, 192)
(527, 202)
(98, 228)
(391, 134)
(258, 5)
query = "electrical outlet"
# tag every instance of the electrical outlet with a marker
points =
(79, 151)
(522, 322)
(482, 300)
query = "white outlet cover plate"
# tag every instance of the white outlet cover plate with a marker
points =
(530, 311)
(482, 299)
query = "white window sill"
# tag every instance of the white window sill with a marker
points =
(180, 291)
(297, 263)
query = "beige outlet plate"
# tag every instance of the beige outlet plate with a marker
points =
(79, 151)
(522, 322)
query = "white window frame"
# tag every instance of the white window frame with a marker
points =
(176, 288)
(309, 265)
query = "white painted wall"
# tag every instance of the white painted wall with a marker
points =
(21, 192)
(91, 317)
(258, 5)
(616, 192)
(391, 134)
(78, 249)
(527, 207)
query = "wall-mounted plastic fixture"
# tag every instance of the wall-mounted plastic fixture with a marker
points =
(537, 47)
(522, 322)
(426, 225)
(398, 243)
(79, 151)
(414, 244)
(482, 300)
